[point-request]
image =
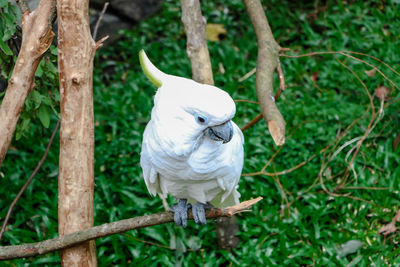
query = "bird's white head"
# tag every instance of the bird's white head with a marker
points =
(186, 110)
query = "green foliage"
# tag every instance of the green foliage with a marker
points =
(9, 16)
(298, 222)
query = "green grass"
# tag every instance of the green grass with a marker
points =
(298, 222)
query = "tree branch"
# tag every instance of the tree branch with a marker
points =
(10, 209)
(267, 62)
(69, 240)
(76, 49)
(196, 44)
(37, 37)
(96, 27)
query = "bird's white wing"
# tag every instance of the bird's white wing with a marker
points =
(150, 174)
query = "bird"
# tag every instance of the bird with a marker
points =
(191, 148)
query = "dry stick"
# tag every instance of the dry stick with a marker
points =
(267, 61)
(375, 58)
(335, 145)
(39, 165)
(260, 116)
(69, 240)
(282, 87)
(369, 127)
(344, 53)
(96, 27)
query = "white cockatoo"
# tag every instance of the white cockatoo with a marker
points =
(191, 148)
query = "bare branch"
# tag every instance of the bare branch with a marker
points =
(267, 62)
(96, 27)
(37, 38)
(69, 240)
(196, 45)
(276, 97)
(10, 209)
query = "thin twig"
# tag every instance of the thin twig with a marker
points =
(96, 27)
(69, 240)
(364, 188)
(281, 78)
(375, 58)
(252, 122)
(344, 53)
(370, 125)
(247, 75)
(260, 116)
(35, 171)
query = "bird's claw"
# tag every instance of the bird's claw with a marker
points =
(180, 212)
(199, 213)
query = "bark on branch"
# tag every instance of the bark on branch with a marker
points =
(76, 50)
(196, 44)
(37, 36)
(69, 240)
(267, 62)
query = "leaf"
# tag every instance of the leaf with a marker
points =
(194, 242)
(36, 98)
(382, 92)
(349, 247)
(370, 73)
(5, 48)
(44, 116)
(215, 32)
(3, 3)
(396, 142)
(156, 235)
(39, 70)
(23, 127)
(54, 50)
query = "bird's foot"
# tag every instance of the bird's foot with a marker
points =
(180, 212)
(199, 213)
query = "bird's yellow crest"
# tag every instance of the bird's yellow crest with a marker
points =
(151, 71)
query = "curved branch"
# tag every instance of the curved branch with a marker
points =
(69, 240)
(267, 62)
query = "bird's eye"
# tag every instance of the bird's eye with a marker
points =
(201, 119)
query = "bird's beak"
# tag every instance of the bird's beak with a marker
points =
(222, 132)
